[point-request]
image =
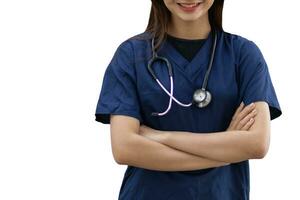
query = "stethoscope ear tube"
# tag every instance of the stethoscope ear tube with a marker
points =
(150, 69)
(154, 58)
(211, 60)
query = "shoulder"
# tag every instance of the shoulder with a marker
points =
(235, 39)
(243, 47)
(136, 41)
(131, 45)
(127, 54)
(137, 47)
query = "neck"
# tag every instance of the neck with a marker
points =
(197, 29)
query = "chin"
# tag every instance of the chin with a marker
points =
(190, 18)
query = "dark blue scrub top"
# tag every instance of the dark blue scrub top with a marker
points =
(239, 73)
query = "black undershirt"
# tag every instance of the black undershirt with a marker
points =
(187, 47)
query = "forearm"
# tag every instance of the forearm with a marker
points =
(226, 146)
(143, 152)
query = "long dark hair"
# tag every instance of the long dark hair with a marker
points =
(160, 17)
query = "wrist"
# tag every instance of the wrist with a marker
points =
(163, 136)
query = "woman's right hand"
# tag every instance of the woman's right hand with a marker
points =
(243, 118)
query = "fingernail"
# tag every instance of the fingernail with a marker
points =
(252, 104)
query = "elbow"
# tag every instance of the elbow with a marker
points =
(119, 154)
(118, 157)
(258, 144)
(124, 131)
(122, 150)
(260, 149)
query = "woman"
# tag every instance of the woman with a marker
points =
(187, 152)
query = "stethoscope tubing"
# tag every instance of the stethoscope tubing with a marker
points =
(155, 57)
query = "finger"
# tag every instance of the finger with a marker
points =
(239, 109)
(248, 124)
(252, 114)
(236, 120)
(245, 111)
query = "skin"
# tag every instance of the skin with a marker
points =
(141, 146)
(186, 25)
(233, 145)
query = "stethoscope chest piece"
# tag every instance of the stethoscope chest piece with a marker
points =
(201, 98)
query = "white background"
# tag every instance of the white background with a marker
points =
(52, 57)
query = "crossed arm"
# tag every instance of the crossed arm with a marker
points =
(131, 148)
(226, 146)
(178, 151)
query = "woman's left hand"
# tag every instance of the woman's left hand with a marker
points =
(151, 133)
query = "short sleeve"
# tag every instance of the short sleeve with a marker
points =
(255, 83)
(118, 93)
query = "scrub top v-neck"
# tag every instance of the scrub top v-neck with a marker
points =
(189, 67)
(239, 73)
(186, 47)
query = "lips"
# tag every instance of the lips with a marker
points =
(188, 5)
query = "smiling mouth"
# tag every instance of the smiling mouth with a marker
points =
(189, 5)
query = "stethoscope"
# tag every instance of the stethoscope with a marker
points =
(201, 97)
